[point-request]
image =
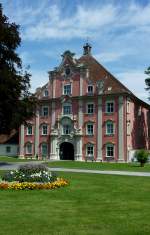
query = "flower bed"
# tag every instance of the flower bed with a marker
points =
(31, 177)
(34, 185)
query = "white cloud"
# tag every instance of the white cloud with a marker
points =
(110, 56)
(135, 81)
(39, 78)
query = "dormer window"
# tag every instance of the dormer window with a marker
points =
(67, 71)
(90, 89)
(45, 93)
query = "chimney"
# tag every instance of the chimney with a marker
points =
(87, 49)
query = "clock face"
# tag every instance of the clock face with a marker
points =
(67, 71)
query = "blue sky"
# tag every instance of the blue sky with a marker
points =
(119, 32)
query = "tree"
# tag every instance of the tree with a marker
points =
(142, 156)
(147, 80)
(17, 104)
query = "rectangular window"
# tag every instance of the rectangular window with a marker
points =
(67, 89)
(90, 89)
(67, 109)
(66, 130)
(90, 129)
(90, 108)
(109, 128)
(44, 130)
(8, 149)
(44, 149)
(45, 111)
(90, 150)
(128, 107)
(109, 107)
(110, 151)
(128, 128)
(29, 148)
(29, 130)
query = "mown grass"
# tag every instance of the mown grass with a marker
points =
(101, 166)
(90, 205)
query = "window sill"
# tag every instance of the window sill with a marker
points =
(109, 135)
(109, 114)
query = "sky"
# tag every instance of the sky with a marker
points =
(119, 32)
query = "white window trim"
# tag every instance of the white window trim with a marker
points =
(43, 111)
(42, 129)
(28, 129)
(67, 104)
(68, 129)
(110, 145)
(91, 93)
(41, 148)
(109, 101)
(89, 145)
(46, 90)
(89, 123)
(87, 108)
(113, 128)
(27, 148)
(64, 88)
(128, 128)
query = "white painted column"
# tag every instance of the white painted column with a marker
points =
(81, 84)
(22, 141)
(37, 133)
(54, 153)
(79, 142)
(53, 113)
(99, 132)
(121, 130)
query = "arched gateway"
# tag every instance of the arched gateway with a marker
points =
(66, 151)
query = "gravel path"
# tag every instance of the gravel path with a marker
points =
(13, 166)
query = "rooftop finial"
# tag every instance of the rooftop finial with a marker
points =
(87, 48)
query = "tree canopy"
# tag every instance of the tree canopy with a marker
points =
(147, 80)
(17, 104)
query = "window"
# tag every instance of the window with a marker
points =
(90, 150)
(44, 149)
(67, 89)
(66, 130)
(128, 107)
(8, 149)
(109, 128)
(90, 130)
(44, 129)
(90, 89)
(67, 71)
(90, 108)
(46, 93)
(67, 109)
(45, 111)
(29, 130)
(128, 128)
(28, 148)
(110, 150)
(109, 107)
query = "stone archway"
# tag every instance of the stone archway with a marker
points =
(66, 151)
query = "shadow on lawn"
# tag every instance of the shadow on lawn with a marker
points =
(5, 164)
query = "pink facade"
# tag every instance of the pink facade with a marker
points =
(85, 113)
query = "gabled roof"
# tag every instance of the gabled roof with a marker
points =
(98, 73)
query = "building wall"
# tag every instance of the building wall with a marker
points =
(13, 149)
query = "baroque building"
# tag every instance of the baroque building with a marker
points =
(85, 113)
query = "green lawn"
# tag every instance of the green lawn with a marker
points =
(90, 205)
(13, 159)
(101, 166)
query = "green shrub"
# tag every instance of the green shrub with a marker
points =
(30, 173)
(142, 156)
